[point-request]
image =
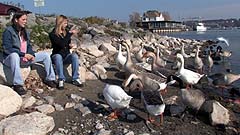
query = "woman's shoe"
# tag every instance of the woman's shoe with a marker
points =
(19, 89)
(61, 85)
(77, 83)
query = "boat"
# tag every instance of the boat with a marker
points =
(200, 27)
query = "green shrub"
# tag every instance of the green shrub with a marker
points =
(39, 35)
(94, 20)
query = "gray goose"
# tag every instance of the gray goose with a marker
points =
(192, 98)
(161, 71)
(198, 61)
(222, 80)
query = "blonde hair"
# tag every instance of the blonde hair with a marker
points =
(59, 23)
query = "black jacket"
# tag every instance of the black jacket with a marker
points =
(60, 44)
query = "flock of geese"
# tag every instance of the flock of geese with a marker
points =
(154, 83)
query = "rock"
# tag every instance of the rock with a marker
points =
(82, 74)
(49, 99)
(34, 123)
(107, 47)
(99, 71)
(45, 108)
(91, 76)
(58, 107)
(10, 101)
(28, 101)
(103, 132)
(176, 110)
(6, 75)
(217, 113)
(131, 117)
(93, 50)
(69, 105)
(99, 126)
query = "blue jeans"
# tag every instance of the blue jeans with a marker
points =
(14, 62)
(71, 58)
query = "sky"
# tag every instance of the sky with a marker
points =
(120, 10)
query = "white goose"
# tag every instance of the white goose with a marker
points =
(209, 61)
(159, 61)
(139, 54)
(183, 52)
(187, 76)
(120, 59)
(117, 98)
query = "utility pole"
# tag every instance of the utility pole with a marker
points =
(39, 4)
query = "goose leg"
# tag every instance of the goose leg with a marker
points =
(114, 115)
(150, 119)
(161, 119)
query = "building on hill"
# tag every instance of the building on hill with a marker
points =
(156, 21)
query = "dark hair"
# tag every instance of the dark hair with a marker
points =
(22, 31)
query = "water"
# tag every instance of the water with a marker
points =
(233, 37)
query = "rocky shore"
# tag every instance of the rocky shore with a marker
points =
(82, 111)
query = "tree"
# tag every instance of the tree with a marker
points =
(166, 16)
(133, 18)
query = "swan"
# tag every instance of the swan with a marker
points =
(198, 61)
(192, 98)
(117, 99)
(120, 59)
(222, 39)
(187, 76)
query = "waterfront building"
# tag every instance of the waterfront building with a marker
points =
(156, 21)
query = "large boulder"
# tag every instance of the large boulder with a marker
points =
(218, 114)
(10, 101)
(34, 123)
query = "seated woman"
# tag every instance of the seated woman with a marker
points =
(18, 51)
(61, 39)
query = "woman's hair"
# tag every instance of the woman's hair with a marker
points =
(59, 23)
(16, 26)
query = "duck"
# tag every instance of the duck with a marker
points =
(117, 99)
(183, 52)
(192, 98)
(161, 71)
(120, 59)
(198, 61)
(188, 76)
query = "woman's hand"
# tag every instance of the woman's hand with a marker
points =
(29, 57)
(74, 31)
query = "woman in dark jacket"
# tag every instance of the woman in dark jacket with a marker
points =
(61, 39)
(18, 51)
